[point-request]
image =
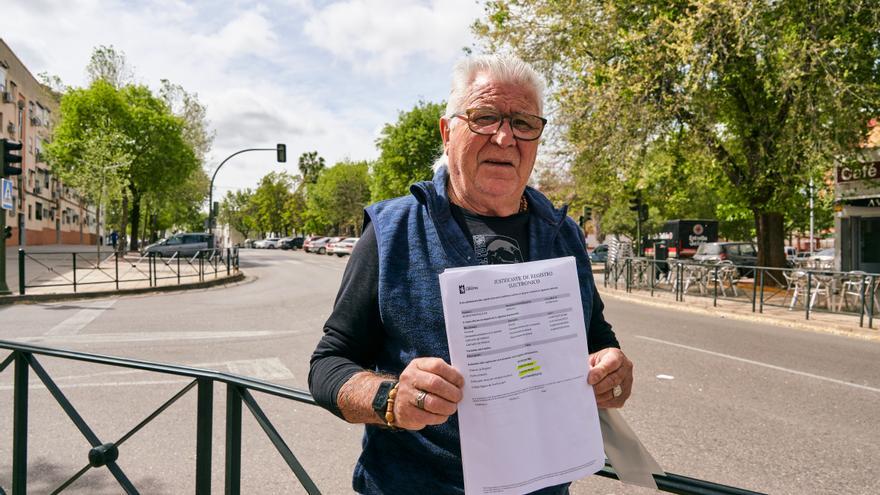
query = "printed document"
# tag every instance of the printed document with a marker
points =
(528, 418)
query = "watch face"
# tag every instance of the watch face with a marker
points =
(380, 401)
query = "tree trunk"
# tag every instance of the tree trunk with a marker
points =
(123, 225)
(154, 227)
(135, 218)
(597, 227)
(771, 239)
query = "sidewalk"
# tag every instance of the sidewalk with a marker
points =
(820, 321)
(69, 269)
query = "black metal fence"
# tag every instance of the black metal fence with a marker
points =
(806, 289)
(81, 270)
(239, 390)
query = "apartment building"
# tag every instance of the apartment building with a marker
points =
(45, 211)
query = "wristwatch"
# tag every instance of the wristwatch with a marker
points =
(380, 401)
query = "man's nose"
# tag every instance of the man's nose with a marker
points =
(504, 136)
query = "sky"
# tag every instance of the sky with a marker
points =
(321, 76)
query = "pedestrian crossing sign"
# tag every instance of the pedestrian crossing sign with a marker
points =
(7, 194)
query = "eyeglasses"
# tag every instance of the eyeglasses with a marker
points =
(487, 121)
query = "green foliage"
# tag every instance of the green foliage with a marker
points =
(769, 92)
(337, 201)
(270, 200)
(131, 138)
(311, 165)
(408, 150)
(237, 209)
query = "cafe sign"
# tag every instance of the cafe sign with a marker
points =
(857, 172)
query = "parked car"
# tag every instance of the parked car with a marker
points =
(268, 243)
(738, 253)
(599, 254)
(791, 253)
(345, 246)
(310, 242)
(320, 245)
(823, 255)
(184, 244)
(331, 243)
(291, 243)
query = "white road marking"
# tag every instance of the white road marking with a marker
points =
(151, 336)
(765, 365)
(261, 369)
(81, 318)
(665, 377)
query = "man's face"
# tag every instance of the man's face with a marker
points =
(490, 171)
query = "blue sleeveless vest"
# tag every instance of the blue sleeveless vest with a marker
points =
(418, 239)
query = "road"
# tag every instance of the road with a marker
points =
(767, 408)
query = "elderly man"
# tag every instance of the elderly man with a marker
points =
(383, 360)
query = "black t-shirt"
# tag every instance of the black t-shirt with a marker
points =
(353, 333)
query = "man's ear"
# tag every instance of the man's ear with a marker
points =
(444, 133)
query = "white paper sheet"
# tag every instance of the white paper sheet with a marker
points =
(528, 418)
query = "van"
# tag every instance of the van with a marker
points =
(184, 244)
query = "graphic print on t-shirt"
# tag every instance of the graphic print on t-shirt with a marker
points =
(497, 249)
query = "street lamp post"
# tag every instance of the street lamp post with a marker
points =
(280, 149)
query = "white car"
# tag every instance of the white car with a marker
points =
(269, 243)
(345, 246)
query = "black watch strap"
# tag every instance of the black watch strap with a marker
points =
(380, 401)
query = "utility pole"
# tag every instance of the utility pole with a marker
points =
(281, 155)
(8, 168)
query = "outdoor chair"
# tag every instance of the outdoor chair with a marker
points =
(822, 285)
(795, 285)
(857, 285)
(727, 277)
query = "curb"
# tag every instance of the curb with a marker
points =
(813, 326)
(31, 298)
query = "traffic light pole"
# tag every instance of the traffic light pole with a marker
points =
(7, 168)
(281, 151)
(4, 289)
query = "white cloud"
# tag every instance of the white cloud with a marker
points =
(248, 34)
(256, 65)
(377, 36)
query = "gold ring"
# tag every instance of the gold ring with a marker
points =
(420, 399)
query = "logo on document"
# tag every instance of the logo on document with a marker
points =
(461, 289)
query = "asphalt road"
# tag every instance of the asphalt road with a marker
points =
(767, 408)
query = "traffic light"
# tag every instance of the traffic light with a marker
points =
(588, 213)
(643, 213)
(635, 204)
(8, 158)
(281, 150)
(7, 232)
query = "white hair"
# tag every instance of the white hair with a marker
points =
(501, 68)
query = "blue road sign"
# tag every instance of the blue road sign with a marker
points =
(6, 194)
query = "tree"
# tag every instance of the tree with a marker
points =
(109, 65)
(269, 201)
(143, 129)
(773, 91)
(310, 167)
(408, 150)
(238, 211)
(338, 199)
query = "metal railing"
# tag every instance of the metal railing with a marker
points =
(104, 454)
(78, 270)
(759, 286)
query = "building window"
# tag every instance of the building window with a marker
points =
(39, 210)
(2, 79)
(30, 211)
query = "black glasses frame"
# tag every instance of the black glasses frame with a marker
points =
(466, 116)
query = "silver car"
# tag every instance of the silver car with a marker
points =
(184, 244)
